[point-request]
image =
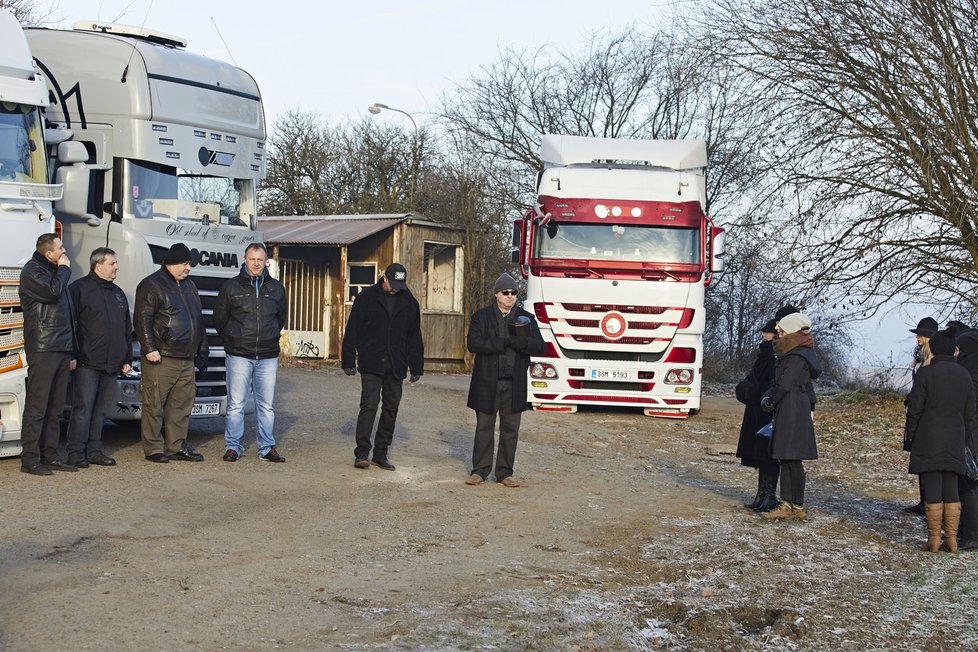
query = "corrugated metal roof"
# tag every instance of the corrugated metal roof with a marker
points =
(335, 230)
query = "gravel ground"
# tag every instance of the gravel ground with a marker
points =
(628, 533)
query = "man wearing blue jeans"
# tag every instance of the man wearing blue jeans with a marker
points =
(249, 315)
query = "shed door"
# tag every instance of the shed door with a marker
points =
(307, 285)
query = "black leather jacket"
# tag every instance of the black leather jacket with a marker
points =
(48, 325)
(250, 314)
(168, 318)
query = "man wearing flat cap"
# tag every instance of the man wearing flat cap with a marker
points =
(503, 337)
(382, 340)
(172, 342)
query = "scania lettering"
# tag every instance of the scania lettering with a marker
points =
(175, 146)
(617, 253)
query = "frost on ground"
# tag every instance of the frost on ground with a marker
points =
(851, 577)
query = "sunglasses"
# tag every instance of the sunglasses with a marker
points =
(508, 293)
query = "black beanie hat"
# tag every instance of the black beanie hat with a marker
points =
(504, 282)
(784, 311)
(968, 343)
(178, 253)
(942, 344)
(769, 327)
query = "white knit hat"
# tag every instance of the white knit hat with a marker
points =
(795, 322)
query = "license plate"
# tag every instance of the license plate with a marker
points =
(205, 409)
(611, 374)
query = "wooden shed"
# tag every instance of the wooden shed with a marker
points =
(325, 260)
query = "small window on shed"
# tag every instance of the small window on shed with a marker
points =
(358, 277)
(442, 277)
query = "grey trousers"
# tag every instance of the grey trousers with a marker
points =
(509, 433)
(167, 391)
(91, 395)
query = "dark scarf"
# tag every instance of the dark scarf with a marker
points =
(784, 345)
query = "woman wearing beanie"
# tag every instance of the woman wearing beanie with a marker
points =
(791, 398)
(940, 423)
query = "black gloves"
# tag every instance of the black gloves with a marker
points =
(518, 343)
(767, 404)
(200, 363)
(414, 378)
(350, 372)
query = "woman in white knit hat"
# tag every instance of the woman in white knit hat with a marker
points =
(792, 400)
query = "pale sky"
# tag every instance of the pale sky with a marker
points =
(337, 58)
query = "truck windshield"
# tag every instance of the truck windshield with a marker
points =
(618, 242)
(21, 144)
(164, 192)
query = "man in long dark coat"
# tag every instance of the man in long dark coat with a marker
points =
(503, 337)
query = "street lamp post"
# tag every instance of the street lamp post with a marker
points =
(376, 108)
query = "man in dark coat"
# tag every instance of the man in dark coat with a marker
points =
(967, 344)
(249, 315)
(382, 340)
(48, 344)
(503, 337)
(170, 327)
(103, 351)
(790, 398)
(940, 423)
(753, 449)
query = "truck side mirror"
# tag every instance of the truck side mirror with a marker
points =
(517, 242)
(71, 152)
(719, 242)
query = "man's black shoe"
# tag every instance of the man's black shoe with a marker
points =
(81, 464)
(159, 458)
(37, 469)
(187, 455)
(101, 459)
(361, 463)
(58, 465)
(384, 463)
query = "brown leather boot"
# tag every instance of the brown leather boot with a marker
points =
(952, 517)
(934, 513)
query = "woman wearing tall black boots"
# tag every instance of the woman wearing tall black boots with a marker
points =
(791, 398)
(753, 449)
(940, 423)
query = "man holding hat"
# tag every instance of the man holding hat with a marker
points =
(502, 337)
(172, 341)
(382, 340)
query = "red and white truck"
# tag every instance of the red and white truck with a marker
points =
(617, 254)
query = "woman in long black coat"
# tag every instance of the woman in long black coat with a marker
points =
(792, 401)
(753, 449)
(940, 423)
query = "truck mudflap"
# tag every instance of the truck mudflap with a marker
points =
(12, 395)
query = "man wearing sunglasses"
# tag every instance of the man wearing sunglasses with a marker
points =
(502, 337)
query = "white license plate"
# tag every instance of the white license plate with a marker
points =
(205, 409)
(611, 374)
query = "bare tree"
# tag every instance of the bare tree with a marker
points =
(870, 137)
(316, 169)
(28, 12)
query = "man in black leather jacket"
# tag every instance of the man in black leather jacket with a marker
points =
(249, 315)
(172, 342)
(382, 339)
(48, 343)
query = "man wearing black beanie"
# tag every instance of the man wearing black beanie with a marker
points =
(170, 327)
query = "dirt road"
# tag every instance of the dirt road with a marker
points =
(627, 533)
